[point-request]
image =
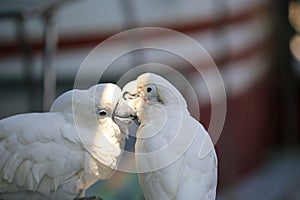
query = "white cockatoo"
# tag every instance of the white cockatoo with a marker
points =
(175, 157)
(59, 154)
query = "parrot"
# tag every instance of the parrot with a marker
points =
(60, 153)
(174, 154)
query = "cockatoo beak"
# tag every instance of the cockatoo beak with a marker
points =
(123, 113)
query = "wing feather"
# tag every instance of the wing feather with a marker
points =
(199, 175)
(7, 172)
(4, 156)
(30, 183)
(24, 168)
(33, 154)
(38, 171)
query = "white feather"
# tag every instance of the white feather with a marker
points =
(178, 159)
(59, 154)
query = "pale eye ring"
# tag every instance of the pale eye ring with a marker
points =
(102, 113)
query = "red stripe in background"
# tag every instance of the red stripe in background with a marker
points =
(9, 49)
(261, 48)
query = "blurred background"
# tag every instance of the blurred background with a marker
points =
(254, 44)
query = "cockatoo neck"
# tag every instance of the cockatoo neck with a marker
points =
(150, 113)
(160, 112)
(103, 140)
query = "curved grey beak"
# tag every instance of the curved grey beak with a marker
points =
(123, 113)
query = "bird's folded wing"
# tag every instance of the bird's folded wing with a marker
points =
(38, 152)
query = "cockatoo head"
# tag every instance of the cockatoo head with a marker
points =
(93, 107)
(92, 113)
(151, 93)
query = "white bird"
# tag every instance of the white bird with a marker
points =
(59, 154)
(175, 156)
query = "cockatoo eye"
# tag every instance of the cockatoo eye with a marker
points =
(151, 94)
(101, 112)
(150, 88)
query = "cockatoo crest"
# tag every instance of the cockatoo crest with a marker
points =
(99, 95)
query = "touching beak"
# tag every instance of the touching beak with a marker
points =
(123, 113)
